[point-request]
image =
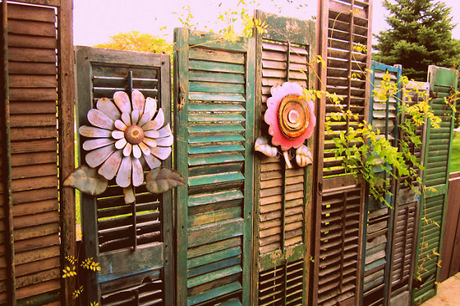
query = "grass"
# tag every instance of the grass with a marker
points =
(455, 157)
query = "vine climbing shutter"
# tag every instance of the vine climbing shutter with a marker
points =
(443, 82)
(406, 209)
(214, 102)
(378, 228)
(282, 196)
(345, 35)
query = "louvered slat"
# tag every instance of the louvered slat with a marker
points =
(214, 119)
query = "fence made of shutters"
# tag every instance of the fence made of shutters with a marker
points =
(344, 44)
(437, 150)
(214, 111)
(282, 212)
(383, 116)
(37, 110)
(132, 242)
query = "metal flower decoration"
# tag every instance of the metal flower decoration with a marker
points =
(291, 121)
(124, 138)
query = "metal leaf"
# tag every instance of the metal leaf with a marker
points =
(162, 179)
(87, 180)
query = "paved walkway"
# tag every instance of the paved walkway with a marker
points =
(448, 293)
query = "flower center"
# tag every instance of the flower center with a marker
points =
(134, 134)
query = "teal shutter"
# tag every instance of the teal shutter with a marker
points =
(437, 149)
(214, 103)
(132, 243)
(378, 228)
(339, 219)
(282, 217)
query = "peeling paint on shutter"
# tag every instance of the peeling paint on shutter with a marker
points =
(437, 149)
(283, 196)
(379, 225)
(406, 209)
(342, 26)
(134, 249)
(214, 105)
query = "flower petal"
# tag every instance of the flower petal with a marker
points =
(127, 150)
(152, 134)
(145, 149)
(99, 119)
(166, 141)
(98, 156)
(138, 100)
(126, 118)
(120, 125)
(137, 153)
(161, 152)
(121, 99)
(138, 174)
(124, 173)
(110, 167)
(134, 116)
(128, 194)
(92, 144)
(149, 111)
(165, 131)
(93, 132)
(120, 144)
(156, 123)
(152, 161)
(118, 134)
(150, 142)
(107, 107)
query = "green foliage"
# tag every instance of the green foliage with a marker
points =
(136, 41)
(363, 150)
(70, 271)
(419, 35)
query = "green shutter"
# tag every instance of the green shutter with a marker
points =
(437, 149)
(282, 217)
(134, 248)
(378, 228)
(214, 103)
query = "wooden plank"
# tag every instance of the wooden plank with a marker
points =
(34, 13)
(24, 41)
(32, 55)
(26, 27)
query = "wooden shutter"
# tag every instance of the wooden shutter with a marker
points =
(35, 102)
(214, 105)
(383, 116)
(132, 245)
(406, 210)
(437, 149)
(340, 199)
(283, 196)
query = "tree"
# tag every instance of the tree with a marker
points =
(420, 35)
(136, 41)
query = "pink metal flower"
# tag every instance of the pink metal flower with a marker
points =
(290, 116)
(124, 136)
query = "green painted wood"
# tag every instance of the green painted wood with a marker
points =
(110, 241)
(378, 230)
(214, 131)
(283, 196)
(442, 82)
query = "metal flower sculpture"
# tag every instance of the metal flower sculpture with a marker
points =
(124, 138)
(291, 121)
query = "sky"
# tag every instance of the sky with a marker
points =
(96, 20)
